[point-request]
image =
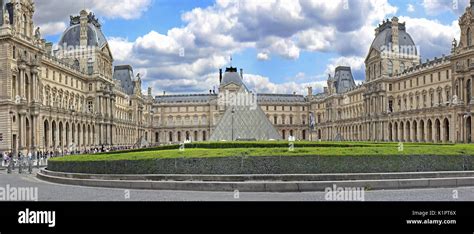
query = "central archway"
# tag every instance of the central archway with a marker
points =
(446, 130)
(422, 131)
(429, 131)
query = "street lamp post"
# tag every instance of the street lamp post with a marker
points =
(10, 161)
(232, 130)
(11, 133)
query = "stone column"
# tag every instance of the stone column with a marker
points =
(472, 130)
(21, 81)
(472, 90)
(34, 87)
(22, 131)
(33, 132)
(418, 132)
(399, 132)
(441, 131)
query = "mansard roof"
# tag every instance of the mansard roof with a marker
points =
(124, 74)
(186, 98)
(344, 80)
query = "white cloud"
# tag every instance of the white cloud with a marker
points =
(52, 28)
(263, 56)
(433, 37)
(51, 13)
(263, 84)
(282, 28)
(410, 8)
(186, 58)
(435, 7)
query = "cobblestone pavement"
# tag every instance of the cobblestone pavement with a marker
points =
(57, 192)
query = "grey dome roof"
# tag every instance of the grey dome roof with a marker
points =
(95, 36)
(384, 38)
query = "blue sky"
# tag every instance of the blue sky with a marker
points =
(283, 46)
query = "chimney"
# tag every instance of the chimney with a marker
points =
(220, 76)
(395, 35)
(83, 34)
(242, 73)
(49, 48)
(149, 91)
(310, 91)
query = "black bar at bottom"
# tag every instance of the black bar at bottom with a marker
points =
(220, 217)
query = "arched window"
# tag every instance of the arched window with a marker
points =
(468, 91)
(469, 37)
(390, 68)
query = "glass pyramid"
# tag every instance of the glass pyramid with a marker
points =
(246, 124)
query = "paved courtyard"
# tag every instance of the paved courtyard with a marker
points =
(57, 192)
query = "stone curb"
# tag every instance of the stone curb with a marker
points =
(264, 186)
(273, 177)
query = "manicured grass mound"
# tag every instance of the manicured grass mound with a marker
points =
(273, 158)
(256, 149)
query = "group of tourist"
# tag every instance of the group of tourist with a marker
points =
(41, 155)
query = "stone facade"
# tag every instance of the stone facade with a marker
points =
(73, 98)
(66, 99)
(403, 99)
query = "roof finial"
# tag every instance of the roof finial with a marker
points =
(230, 60)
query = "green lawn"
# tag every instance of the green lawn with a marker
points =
(251, 149)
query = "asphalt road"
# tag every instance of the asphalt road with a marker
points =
(57, 192)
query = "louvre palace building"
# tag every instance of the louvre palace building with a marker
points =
(73, 98)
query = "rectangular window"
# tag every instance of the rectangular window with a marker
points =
(439, 76)
(90, 107)
(424, 100)
(432, 99)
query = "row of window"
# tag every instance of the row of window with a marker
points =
(420, 81)
(284, 108)
(414, 102)
(64, 79)
(285, 119)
